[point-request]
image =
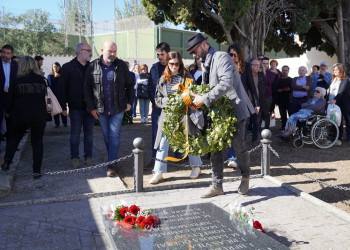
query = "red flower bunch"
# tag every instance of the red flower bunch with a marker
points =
(133, 216)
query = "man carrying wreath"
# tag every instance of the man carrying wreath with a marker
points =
(220, 72)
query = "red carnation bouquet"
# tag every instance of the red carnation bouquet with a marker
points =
(133, 216)
(239, 212)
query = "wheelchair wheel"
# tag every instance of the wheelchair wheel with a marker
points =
(298, 143)
(324, 133)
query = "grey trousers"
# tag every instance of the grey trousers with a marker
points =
(240, 149)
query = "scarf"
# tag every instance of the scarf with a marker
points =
(206, 66)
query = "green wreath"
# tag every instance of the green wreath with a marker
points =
(215, 138)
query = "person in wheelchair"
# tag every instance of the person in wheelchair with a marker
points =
(314, 106)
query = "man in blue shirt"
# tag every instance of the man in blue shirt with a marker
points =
(109, 92)
(322, 78)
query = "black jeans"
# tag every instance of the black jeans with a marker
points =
(37, 129)
(283, 108)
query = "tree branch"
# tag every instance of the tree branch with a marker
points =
(326, 30)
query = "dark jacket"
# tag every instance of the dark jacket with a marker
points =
(152, 82)
(71, 83)
(123, 86)
(26, 98)
(318, 106)
(343, 96)
(249, 86)
(13, 73)
(258, 100)
(282, 90)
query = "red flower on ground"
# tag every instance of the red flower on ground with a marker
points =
(134, 209)
(130, 219)
(123, 211)
(139, 220)
(146, 224)
(258, 226)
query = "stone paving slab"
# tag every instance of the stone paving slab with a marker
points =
(288, 218)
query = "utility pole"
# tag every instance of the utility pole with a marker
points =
(135, 25)
(80, 24)
(65, 24)
(92, 30)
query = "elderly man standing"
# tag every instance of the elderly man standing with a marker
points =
(109, 92)
(322, 78)
(71, 84)
(221, 73)
(301, 87)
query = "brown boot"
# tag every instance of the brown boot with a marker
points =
(212, 191)
(244, 187)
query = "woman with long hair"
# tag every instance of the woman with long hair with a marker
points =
(27, 107)
(339, 93)
(142, 96)
(53, 78)
(237, 54)
(173, 74)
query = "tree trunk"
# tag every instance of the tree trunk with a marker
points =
(346, 29)
(341, 55)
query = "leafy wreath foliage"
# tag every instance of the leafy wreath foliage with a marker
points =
(215, 138)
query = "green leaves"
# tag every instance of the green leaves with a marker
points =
(216, 138)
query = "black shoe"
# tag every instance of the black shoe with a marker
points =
(36, 176)
(131, 122)
(5, 166)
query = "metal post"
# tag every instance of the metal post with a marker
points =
(265, 161)
(138, 163)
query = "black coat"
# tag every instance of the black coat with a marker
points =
(26, 98)
(71, 85)
(343, 96)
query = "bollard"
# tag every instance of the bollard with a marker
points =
(138, 163)
(265, 161)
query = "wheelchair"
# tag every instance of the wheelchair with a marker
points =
(318, 130)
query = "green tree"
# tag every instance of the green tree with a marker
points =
(131, 8)
(322, 26)
(31, 33)
(245, 21)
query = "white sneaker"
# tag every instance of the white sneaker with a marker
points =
(232, 164)
(146, 120)
(195, 173)
(338, 143)
(142, 120)
(156, 178)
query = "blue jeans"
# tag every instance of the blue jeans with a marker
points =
(80, 118)
(155, 115)
(144, 107)
(111, 125)
(162, 153)
(133, 109)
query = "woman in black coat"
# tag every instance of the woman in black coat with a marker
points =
(27, 107)
(339, 93)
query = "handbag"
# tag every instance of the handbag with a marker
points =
(142, 91)
(52, 104)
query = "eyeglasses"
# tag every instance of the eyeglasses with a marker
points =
(194, 51)
(256, 65)
(88, 50)
(174, 64)
(317, 91)
(232, 54)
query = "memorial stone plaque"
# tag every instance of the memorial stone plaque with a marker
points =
(196, 226)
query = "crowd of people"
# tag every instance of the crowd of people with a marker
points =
(105, 89)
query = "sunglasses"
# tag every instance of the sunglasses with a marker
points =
(232, 54)
(174, 64)
(194, 51)
(317, 91)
